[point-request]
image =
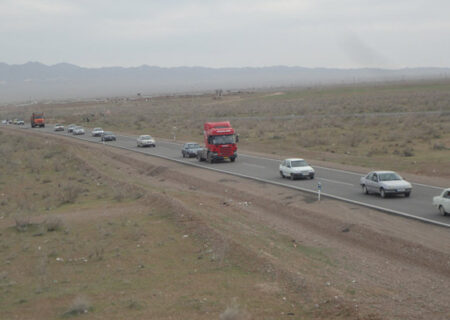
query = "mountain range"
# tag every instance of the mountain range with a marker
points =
(36, 81)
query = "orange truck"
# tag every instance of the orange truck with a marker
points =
(37, 120)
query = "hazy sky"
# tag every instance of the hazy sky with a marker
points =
(227, 33)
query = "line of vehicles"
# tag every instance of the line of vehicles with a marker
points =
(220, 143)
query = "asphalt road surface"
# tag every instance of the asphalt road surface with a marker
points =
(338, 184)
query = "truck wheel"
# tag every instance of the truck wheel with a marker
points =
(232, 159)
(281, 174)
(442, 210)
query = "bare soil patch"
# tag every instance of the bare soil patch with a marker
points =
(326, 260)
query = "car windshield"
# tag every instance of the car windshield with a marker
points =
(192, 146)
(298, 163)
(389, 176)
(146, 137)
(226, 139)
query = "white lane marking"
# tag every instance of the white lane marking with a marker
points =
(335, 181)
(325, 168)
(339, 170)
(288, 186)
(253, 165)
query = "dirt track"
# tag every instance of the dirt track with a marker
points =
(381, 266)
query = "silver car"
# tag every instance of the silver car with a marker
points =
(78, 131)
(145, 141)
(385, 183)
(97, 132)
(58, 127)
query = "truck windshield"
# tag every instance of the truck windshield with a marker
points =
(226, 139)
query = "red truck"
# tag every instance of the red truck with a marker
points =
(220, 142)
(37, 119)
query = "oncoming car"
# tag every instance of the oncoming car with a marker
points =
(145, 141)
(78, 131)
(190, 149)
(385, 183)
(296, 168)
(108, 136)
(58, 127)
(70, 127)
(97, 132)
(442, 202)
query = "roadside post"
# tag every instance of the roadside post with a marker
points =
(174, 133)
(319, 189)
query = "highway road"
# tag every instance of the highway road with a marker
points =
(337, 184)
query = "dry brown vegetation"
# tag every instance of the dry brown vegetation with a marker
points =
(200, 245)
(404, 126)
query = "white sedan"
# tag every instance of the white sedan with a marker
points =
(145, 141)
(97, 132)
(442, 202)
(385, 183)
(296, 168)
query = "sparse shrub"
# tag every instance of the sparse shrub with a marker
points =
(133, 304)
(53, 224)
(408, 152)
(80, 305)
(69, 194)
(22, 223)
(234, 312)
(439, 146)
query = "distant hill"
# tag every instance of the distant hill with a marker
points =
(36, 81)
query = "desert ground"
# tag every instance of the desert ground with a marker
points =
(95, 232)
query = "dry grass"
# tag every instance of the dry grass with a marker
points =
(362, 125)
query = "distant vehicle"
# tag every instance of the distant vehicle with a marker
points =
(78, 131)
(385, 183)
(296, 168)
(442, 202)
(220, 142)
(108, 136)
(20, 122)
(97, 132)
(37, 120)
(70, 127)
(190, 149)
(58, 127)
(4, 121)
(145, 141)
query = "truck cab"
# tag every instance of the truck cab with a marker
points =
(220, 142)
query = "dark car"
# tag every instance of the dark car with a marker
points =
(190, 149)
(108, 136)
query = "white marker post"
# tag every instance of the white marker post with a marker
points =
(319, 188)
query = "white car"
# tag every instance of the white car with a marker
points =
(78, 131)
(296, 168)
(145, 141)
(58, 127)
(385, 183)
(97, 132)
(442, 202)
